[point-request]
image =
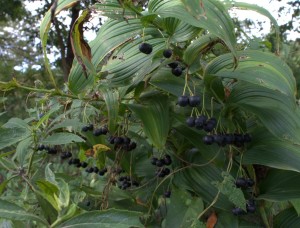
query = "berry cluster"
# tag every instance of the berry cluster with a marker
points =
(122, 142)
(77, 163)
(127, 182)
(202, 122)
(250, 207)
(65, 155)
(192, 101)
(160, 163)
(242, 182)
(176, 68)
(50, 150)
(95, 169)
(227, 139)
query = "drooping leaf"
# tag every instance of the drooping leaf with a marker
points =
(277, 112)
(106, 219)
(80, 47)
(270, 151)
(49, 192)
(12, 211)
(62, 138)
(280, 185)
(23, 150)
(45, 27)
(287, 218)
(112, 34)
(210, 15)
(260, 68)
(10, 136)
(155, 119)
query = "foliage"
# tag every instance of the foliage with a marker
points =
(118, 147)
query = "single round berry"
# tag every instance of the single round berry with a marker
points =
(132, 145)
(167, 53)
(239, 138)
(208, 126)
(166, 171)
(41, 147)
(228, 138)
(104, 130)
(118, 140)
(190, 121)
(78, 165)
(250, 208)
(173, 65)
(250, 182)
(84, 164)
(85, 128)
(153, 160)
(145, 48)
(219, 139)
(168, 160)
(101, 172)
(194, 101)
(238, 211)
(167, 194)
(52, 151)
(240, 182)
(97, 132)
(183, 101)
(200, 121)
(177, 71)
(96, 170)
(126, 140)
(90, 127)
(68, 154)
(90, 170)
(208, 139)
(159, 163)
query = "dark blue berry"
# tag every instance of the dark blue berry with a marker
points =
(241, 182)
(183, 101)
(208, 139)
(177, 71)
(190, 121)
(145, 48)
(194, 101)
(167, 53)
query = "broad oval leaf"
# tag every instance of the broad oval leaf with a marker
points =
(155, 119)
(287, 218)
(260, 68)
(62, 138)
(12, 211)
(267, 150)
(106, 219)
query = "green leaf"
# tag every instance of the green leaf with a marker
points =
(49, 192)
(280, 185)
(185, 207)
(132, 66)
(112, 103)
(64, 193)
(260, 68)
(45, 27)
(227, 187)
(71, 212)
(62, 138)
(197, 47)
(11, 211)
(277, 112)
(4, 184)
(287, 218)
(296, 205)
(10, 136)
(74, 123)
(212, 16)
(23, 150)
(114, 10)
(49, 175)
(268, 150)
(155, 119)
(106, 219)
